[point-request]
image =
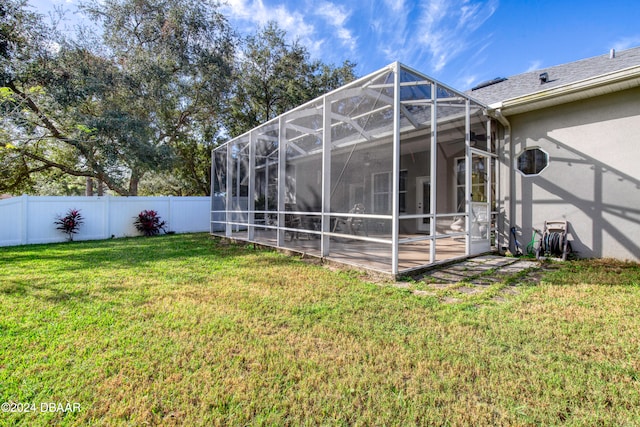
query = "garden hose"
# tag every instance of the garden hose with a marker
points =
(553, 243)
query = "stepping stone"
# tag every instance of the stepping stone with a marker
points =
(468, 290)
(483, 283)
(527, 264)
(442, 285)
(402, 285)
(498, 262)
(467, 264)
(510, 270)
(509, 290)
(423, 293)
(444, 275)
(460, 268)
(481, 268)
(487, 281)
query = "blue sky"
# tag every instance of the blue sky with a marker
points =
(459, 42)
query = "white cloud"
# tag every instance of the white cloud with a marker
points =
(323, 28)
(332, 13)
(336, 16)
(431, 31)
(534, 65)
(466, 81)
(395, 5)
(447, 27)
(389, 25)
(627, 42)
(422, 33)
(249, 15)
(255, 12)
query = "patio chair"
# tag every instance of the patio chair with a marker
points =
(353, 225)
(292, 221)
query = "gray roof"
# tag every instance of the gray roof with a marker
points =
(559, 75)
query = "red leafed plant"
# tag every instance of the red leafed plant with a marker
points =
(70, 223)
(149, 223)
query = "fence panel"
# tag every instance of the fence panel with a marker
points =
(11, 221)
(30, 219)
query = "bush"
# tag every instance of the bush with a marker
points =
(149, 223)
(70, 223)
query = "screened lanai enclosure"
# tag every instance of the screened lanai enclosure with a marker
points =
(393, 172)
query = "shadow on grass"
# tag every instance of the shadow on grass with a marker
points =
(120, 253)
(53, 294)
(595, 271)
(62, 272)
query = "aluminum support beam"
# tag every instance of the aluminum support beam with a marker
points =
(325, 244)
(395, 194)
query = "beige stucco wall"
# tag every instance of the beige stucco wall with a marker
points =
(593, 176)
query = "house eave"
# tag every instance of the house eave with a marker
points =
(603, 84)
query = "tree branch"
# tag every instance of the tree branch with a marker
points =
(97, 172)
(70, 171)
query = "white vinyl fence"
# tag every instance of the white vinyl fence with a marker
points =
(30, 219)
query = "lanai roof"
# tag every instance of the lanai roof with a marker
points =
(559, 75)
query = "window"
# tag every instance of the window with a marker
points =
(382, 192)
(532, 161)
(460, 184)
(478, 181)
(402, 200)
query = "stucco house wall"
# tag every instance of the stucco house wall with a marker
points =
(593, 176)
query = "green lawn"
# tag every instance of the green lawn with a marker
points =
(185, 330)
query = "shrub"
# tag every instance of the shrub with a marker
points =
(149, 223)
(70, 223)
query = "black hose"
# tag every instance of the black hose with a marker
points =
(553, 243)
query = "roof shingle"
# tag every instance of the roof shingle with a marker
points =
(529, 82)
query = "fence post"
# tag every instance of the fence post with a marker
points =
(107, 216)
(169, 215)
(25, 218)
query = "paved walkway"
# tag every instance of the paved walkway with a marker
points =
(486, 277)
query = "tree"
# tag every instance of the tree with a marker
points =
(129, 106)
(22, 35)
(179, 54)
(61, 119)
(273, 77)
(137, 102)
(52, 94)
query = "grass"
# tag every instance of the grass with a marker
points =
(185, 330)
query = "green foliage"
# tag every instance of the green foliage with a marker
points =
(178, 59)
(274, 76)
(142, 95)
(114, 111)
(22, 36)
(6, 95)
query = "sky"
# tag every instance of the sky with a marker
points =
(458, 42)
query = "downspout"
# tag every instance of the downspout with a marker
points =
(507, 198)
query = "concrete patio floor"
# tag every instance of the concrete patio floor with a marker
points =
(360, 254)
